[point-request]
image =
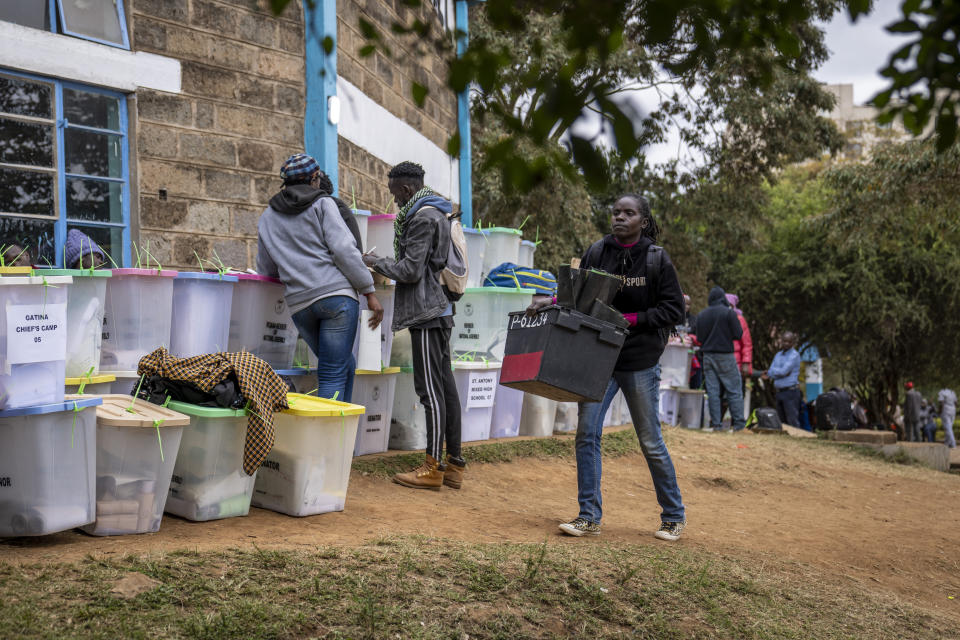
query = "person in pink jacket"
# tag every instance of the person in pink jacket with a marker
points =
(742, 348)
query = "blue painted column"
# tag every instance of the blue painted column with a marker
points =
(463, 124)
(319, 134)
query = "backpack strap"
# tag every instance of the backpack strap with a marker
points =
(654, 264)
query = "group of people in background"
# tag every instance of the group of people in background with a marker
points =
(920, 416)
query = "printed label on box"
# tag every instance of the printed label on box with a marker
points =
(36, 333)
(480, 389)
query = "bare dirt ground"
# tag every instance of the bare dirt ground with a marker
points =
(865, 522)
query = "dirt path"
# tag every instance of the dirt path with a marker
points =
(882, 526)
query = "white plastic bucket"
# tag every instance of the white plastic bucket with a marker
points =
(137, 444)
(538, 416)
(260, 321)
(480, 324)
(668, 406)
(85, 304)
(137, 315)
(374, 391)
(690, 408)
(33, 340)
(408, 423)
(208, 481)
(476, 249)
(477, 384)
(202, 304)
(505, 422)
(380, 235)
(47, 460)
(308, 470)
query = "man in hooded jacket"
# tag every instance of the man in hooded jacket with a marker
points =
(717, 327)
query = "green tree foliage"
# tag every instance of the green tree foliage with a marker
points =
(864, 261)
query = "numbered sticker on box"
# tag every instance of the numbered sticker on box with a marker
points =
(483, 384)
(36, 333)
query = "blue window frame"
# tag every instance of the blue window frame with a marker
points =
(100, 21)
(63, 165)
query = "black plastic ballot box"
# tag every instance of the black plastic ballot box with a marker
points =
(560, 354)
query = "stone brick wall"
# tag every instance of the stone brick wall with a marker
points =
(215, 149)
(387, 81)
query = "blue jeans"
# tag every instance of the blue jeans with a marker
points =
(720, 372)
(642, 392)
(328, 326)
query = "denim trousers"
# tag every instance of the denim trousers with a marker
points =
(642, 392)
(329, 326)
(721, 374)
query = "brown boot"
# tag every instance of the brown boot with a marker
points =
(426, 476)
(453, 474)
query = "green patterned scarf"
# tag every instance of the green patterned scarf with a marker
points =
(401, 218)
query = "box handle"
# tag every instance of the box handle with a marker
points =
(611, 337)
(568, 321)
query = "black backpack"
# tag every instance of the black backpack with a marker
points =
(834, 412)
(767, 419)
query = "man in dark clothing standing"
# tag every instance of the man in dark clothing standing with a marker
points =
(716, 327)
(421, 245)
(912, 414)
(652, 302)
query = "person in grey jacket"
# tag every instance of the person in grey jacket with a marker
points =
(304, 241)
(912, 413)
(421, 245)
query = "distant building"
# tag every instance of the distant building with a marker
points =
(164, 122)
(858, 124)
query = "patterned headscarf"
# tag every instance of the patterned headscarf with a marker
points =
(401, 218)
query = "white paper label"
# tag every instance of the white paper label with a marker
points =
(36, 333)
(480, 391)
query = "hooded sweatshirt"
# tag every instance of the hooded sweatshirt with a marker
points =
(304, 241)
(656, 310)
(717, 326)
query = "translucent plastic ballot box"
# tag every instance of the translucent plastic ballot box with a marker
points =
(538, 416)
(137, 444)
(482, 320)
(675, 366)
(505, 422)
(308, 470)
(561, 354)
(137, 316)
(567, 417)
(476, 249)
(260, 322)
(374, 390)
(408, 423)
(208, 481)
(617, 413)
(669, 406)
(86, 298)
(385, 294)
(380, 235)
(477, 388)
(33, 340)
(47, 464)
(124, 383)
(503, 245)
(91, 385)
(201, 313)
(362, 216)
(527, 249)
(690, 408)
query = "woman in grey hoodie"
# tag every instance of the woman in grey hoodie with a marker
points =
(304, 241)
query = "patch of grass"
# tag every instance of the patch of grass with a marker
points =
(615, 444)
(432, 589)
